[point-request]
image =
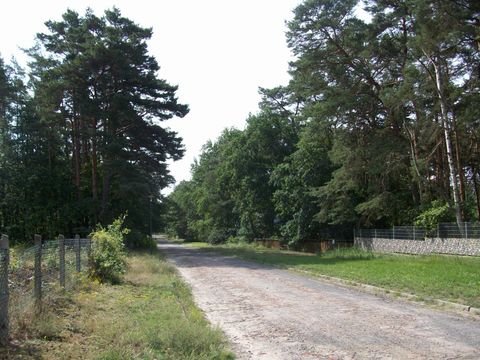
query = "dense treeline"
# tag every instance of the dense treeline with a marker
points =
(80, 140)
(379, 126)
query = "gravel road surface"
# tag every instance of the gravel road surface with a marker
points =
(269, 313)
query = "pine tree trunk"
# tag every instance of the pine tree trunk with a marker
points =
(76, 149)
(414, 158)
(94, 161)
(94, 170)
(476, 189)
(105, 195)
(461, 175)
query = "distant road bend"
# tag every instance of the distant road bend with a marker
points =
(269, 313)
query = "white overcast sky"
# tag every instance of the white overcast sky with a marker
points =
(217, 51)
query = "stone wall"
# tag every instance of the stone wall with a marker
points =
(450, 246)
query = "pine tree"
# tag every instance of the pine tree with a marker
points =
(97, 86)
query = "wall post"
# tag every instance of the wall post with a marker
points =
(61, 257)
(37, 287)
(4, 293)
(77, 253)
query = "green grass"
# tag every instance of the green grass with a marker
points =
(150, 315)
(449, 278)
(200, 245)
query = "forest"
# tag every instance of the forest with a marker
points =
(80, 135)
(378, 126)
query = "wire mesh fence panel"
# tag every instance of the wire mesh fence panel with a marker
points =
(50, 268)
(30, 277)
(61, 260)
(397, 233)
(76, 258)
(408, 233)
(37, 275)
(472, 231)
(21, 284)
(462, 230)
(366, 233)
(383, 233)
(465, 230)
(69, 262)
(30, 280)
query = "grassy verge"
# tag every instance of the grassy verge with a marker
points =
(151, 315)
(447, 278)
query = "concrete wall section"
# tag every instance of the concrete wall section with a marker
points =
(451, 246)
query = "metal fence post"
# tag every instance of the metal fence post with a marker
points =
(414, 235)
(61, 258)
(77, 253)
(393, 233)
(466, 230)
(89, 245)
(37, 287)
(4, 262)
(89, 252)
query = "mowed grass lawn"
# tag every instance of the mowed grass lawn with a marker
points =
(449, 278)
(150, 315)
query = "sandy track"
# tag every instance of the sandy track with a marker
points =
(269, 313)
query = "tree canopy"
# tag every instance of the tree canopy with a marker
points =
(378, 125)
(82, 141)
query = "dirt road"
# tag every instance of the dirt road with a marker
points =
(269, 313)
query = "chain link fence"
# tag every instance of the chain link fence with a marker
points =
(27, 276)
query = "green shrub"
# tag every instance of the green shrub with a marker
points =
(436, 213)
(108, 258)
